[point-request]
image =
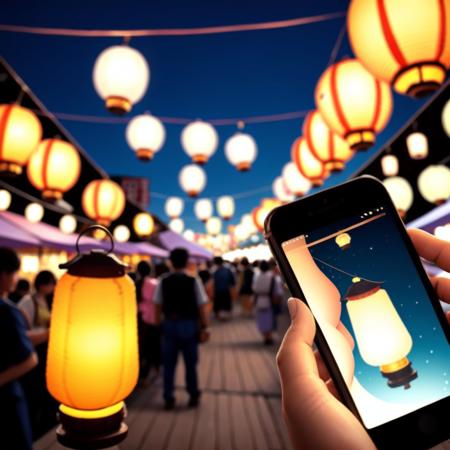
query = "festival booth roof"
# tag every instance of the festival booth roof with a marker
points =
(170, 240)
(140, 248)
(13, 236)
(436, 217)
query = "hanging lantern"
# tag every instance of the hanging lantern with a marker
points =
(445, 118)
(103, 201)
(443, 232)
(281, 191)
(407, 48)
(121, 77)
(307, 164)
(199, 140)
(213, 226)
(34, 212)
(381, 336)
(249, 224)
(192, 180)
(68, 224)
(327, 146)
(261, 212)
(389, 165)
(121, 233)
(20, 133)
(343, 240)
(189, 235)
(174, 207)
(54, 168)
(176, 225)
(143, 224)
(417, 144)
(145, 135)
(241, 151)
(225, 207)
(203, 209)
(353, 103)
(434, 184)
(5, 199)
(294, 181)
(92, 362)
(401, 194)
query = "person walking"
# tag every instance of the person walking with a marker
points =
(224, 283)
(180, 300)
(246, 291)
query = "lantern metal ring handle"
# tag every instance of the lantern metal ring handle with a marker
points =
(96, 227)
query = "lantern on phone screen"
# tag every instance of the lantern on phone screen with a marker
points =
(343, 240)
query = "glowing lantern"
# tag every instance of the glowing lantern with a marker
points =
(121, 233)
(307, 164)
(417, 144)
(225, 207)
(92, 362)
(213, 226)
(5, 199)
(261, 212)
(176, 225)
(174, 207)
(405, 47)
(192, 180)
(240, 233)
(343, 241)
(103, 201)
(248, 223)
(68, 224)
(143, 224)
(203, 209)
(294, 181)
(401, 193)
(445, 118)
(241, 151)
(20, 133)
(121, 76)
(54, 168)
(389, 165)
(327, 146)
(189, 235)
(443, 232)
(382, 338)
(199, 140)
(145, 135)
(353, 103)
(281, 191)
(34, 212)
(434, 184)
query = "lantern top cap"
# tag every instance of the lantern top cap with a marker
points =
(361, 288)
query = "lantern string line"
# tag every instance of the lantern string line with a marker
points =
(221, 29)
(338, 44)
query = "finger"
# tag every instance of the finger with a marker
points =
(322, 368)
(442, 287)
(431, 248)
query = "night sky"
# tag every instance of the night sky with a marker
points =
(216, 76)
(376, 255)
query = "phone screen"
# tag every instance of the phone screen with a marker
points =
(376, 316)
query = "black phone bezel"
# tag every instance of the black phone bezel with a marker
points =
(361, 194)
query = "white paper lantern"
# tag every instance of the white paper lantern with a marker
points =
(434, 184)
(225, 207)
(203, 209)
(68, 224)
(145, 135)
(121, 76)
(192, 179)
(174, 207)
(5, 199)
(294, 180)
(34, 212)
(241, 151)
(401, 193)
(446, 118)
(189, 235)
(121, 233)
(281, 191)
(214, 226)
(199, 140)
(443, 232)
(249, 224)
(389, 165)
(176, 225)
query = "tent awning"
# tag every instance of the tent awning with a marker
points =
(15, 237)
(170, 240)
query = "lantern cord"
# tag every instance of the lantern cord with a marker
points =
(221, 29)
(337, 45)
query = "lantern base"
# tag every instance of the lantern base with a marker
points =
(316, 182)
(192, 193)
(334, 166)
(201, 160)
(144, 154)
(10, 168)
(243, 166)
(400, 373)
(360, 140)
(118, 105)
(51, 195)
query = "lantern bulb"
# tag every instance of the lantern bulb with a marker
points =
(192, 179)
(143, 224)
(34, 212)
(121, 233)
(199, 140)
(145, 135)
(68, 224)
(389, 165)
(177, 225)
(5, 199)
(434, 184)
(241, 151)
(174, 207)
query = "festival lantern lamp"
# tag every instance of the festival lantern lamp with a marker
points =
(203, 209)
(414, 62)
(92, 362)
(343, 240)
(121, 233)
(261, 212)
(177, 225)
(174, 207)
(189, 235)
(307, 164)
(225, 207)
(445, 118)
(417, 144)
(5, 199)
(434, 184)
(199, 140)
(389, 165)
(281, 191)
(294, 181)
(214, 226)
(192, 179)
(68, 224)
(241, 150)
(34, 212)
(143, 224)
(401, 194)
(54, 168)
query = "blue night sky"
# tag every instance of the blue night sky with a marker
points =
(376, 255)
(214, 76)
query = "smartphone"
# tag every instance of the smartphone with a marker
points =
(380, 327)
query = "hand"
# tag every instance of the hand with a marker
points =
(204, 335)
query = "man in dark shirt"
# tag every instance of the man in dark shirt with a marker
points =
(224, 282)
(181, 299)
(17, 357)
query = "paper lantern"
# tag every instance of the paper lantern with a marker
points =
(327, 146)
(121, 77)
(143, 224)
(445, 118)
(121, 233)
(189, 235)
(294, 181)
(103, 201)
(192, 179)
(353, 103)
(417, 144)
(176, 225)
(68, 224)
(434, 184)
(20, 133)
(54, 168)
(261, 212)
(249, 224)
(343, 240)
(199, 140)
(92, 362)
(213, 226)
(281, 191)
(443, 232)
(389, 165)
(225, 207)
(5, 199)
(34, 212)
(241, 151)
(174, 207)
(403, 43)
(381, 336)
(145, 135)
(203, 209)
(307, 164)
(401, 193)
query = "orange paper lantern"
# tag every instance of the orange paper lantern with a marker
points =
(260, 213)
(307, 164)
